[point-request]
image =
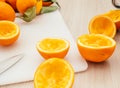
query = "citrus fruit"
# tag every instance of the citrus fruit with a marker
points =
(23, 5)
(53, 47)
(95, 47)
(12, 3)
(6, 12)
(102, 25)
(9, 32)
(115, 16)
(38, 6)
(54, 73)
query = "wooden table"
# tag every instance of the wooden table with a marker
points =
(77, 14)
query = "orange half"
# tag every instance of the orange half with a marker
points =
(53, 47)
(115, 16)
(54, 73)
(9, 32)
(102, 25)
(96, 47)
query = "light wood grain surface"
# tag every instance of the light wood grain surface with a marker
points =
(77, 14)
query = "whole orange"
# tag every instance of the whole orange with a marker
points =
(23, 5)
(6, 12)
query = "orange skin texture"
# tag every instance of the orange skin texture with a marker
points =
(6, 12)
(96, 55)
(23, 5)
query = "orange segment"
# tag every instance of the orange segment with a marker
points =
(96, 47)
(9, 32)
(102, 25)
(54, 73)
(53, 47)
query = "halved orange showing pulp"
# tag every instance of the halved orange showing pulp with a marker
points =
(53, 47)
(54, 73)
(9, 32)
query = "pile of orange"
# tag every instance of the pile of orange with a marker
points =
(107, 23)
(11, 6)
(54, 72)
(24, 7)
(99, 45)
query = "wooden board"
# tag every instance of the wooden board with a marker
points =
(47, 25)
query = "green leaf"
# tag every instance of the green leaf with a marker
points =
(48, 9)
(30, 14)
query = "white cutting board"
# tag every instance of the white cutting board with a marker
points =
(47, 25)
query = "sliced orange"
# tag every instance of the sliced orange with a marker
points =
(96, 47)
(115, 16)
(53, 47)
(9, 32)
(102, 25)
(54, 73)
